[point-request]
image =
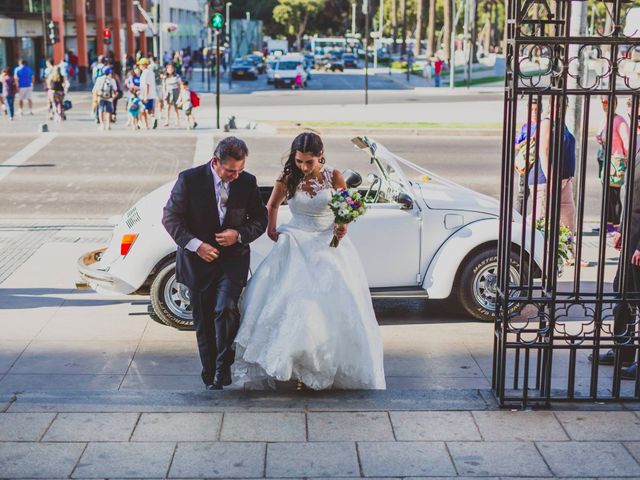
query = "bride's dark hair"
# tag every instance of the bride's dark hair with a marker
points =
(307, 142)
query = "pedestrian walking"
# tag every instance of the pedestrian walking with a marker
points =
(187, 101)
(543, 171)
(170, 93)
(119, 93)
(148, 93)
(616, 162)
(298, 83)
(105, 89)
(158, 73)
(9, 90)
(134, 107)
(427, 72)
(438, 65)
(25, 79)
(57, 85)
(625, 313)
(525, 153)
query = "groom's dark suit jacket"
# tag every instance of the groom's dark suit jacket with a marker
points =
(192, 211)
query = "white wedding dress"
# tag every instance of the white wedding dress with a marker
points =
(306, 312)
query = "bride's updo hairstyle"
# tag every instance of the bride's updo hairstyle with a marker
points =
(307, 142)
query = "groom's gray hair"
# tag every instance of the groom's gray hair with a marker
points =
(231, 147)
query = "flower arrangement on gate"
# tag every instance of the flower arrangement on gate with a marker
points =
(347, 205)
(170, 27)
(138, 27)
(565, 243)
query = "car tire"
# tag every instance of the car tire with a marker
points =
(169, 299)
(476, 283)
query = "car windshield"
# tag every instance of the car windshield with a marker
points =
(242, 63)
(288, 65)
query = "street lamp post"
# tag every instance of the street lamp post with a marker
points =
(227, 29)
(353, 19)
(365, 10)
(152, 25)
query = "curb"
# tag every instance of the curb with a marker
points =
(425, 132)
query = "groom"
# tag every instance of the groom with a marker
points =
(214, 212)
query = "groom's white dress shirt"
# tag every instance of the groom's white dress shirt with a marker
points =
(219, 185)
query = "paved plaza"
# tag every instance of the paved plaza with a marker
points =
(92, 387)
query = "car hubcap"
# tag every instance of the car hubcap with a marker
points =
(485, 285)
(177, 299)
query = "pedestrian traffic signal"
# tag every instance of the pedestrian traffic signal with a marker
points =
(106, 34)
(217, 21)
(54, 31)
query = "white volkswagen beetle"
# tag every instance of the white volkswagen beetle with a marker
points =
(425, 239)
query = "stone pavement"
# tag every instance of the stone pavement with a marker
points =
(306, 435)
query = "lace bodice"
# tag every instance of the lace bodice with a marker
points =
(310, 204)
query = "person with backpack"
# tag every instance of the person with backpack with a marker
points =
(106, 90)
(187, 101)
(9, 90)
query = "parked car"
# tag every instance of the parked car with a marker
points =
(335, 64)
(430, 238)
(258, 62)
(287, 69)
(349, 60)
(271, 71)
(243, 69)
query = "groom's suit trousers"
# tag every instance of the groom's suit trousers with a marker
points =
(216, 319)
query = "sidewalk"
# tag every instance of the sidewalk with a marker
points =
(307, 435)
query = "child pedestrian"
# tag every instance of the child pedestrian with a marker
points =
(186, 103)
(134, 111)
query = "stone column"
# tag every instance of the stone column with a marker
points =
(143, 36)
(100, 19)
(117, 25)
(57, 15)
(131, 39)
(81, 35)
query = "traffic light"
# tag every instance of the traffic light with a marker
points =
(106, 34)
(216, 9)
(54, 31)
(217, 21)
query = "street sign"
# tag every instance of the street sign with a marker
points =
(217, 21)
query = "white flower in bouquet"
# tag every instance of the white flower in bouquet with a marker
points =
(347, 206)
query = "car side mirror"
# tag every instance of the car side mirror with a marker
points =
(405, 201)
(352, 179)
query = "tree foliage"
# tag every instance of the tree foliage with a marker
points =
(295, 15)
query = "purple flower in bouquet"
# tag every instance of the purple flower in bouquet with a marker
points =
(347, 206)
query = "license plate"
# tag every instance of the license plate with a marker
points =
(240, 73)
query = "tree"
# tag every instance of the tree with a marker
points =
(446, 32)
(418, 34)
(294, 16)
(431, 29)
(394, 22)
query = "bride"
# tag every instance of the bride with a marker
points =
(306, 312)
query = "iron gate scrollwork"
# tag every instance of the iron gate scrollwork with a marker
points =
(566, 90)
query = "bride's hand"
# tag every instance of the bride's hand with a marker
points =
(273, 235)
(340, 231)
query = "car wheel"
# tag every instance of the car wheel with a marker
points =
(477, 283)
(170, 299)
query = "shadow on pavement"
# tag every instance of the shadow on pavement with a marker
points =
(28, 298)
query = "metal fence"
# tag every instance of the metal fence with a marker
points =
(565, 294)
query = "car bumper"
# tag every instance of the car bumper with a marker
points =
(100, 280)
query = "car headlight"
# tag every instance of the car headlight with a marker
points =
(277, 75)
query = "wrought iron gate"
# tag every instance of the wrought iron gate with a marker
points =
(556, 298)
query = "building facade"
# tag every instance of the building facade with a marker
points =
(24, 31)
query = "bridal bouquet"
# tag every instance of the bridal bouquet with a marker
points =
(347, 206)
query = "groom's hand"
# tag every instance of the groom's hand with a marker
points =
(227, 238)
(207, 252)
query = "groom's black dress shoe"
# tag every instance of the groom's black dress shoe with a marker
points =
(609, 358)
(213, 386)
(221, 380)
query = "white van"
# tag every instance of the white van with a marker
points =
(286, 69)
